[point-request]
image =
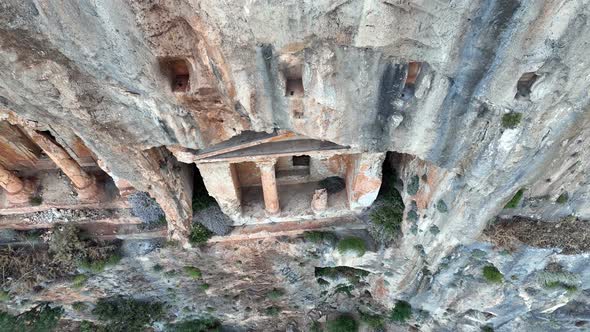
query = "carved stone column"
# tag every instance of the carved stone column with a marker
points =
(269, 186)
(18, 191)
(84, 183)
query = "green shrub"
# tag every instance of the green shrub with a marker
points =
(323, 282)
(318, 237)
(413, 185)
(204, 286)
(39, 319)
(207, 324)
(36, 200)
(374, 321)
(123, 314)
(272, 311)
(513, 203)
(352, 244)
(332, 184)
(441, 206)
(97, 266)
(315, 327)
(158, 268)
(412, 216)
(401, 311)
(556, 279)
(88, 326)
(79, 280)
(275, 294)
(511, 120)
(492, 274)
(563, 198)
(193, 272)
(487, 328)
(434, 230)
(342, 323)
(65, 244)
(199, 234)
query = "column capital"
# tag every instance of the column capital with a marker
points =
(266, 165)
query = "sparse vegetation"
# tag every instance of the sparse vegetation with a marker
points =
(375, 321)
(79, 306)
(332, 184)
(4, 296)
(275, 294)
(511, 120)
(558, 279)
(79, 280)
(492, 274)
(319, 237)
(401, 312)
(199, 234)
(157, 268)
(562, 199)
(206, 324)
(342, 323)
(513, 203)
(193, 272)
(42, 318)
(352, 244)
(97, 266)
(123, 314)
(351, 274)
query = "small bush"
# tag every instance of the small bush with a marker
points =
(511, 120)
(275, 294)
(513, 203)
(193, 272)
(352, 244)
(204, 286)
(79, 281)
(441, 206)
(563, 198)
(401, 312)
(492, 274)
(332, 184)
(36, 200)
(207, 324)
(376, 322)
(342, 323)
(272, 311)
(199, 234)
(39, 319)
(556, 279)
(413, 185)
(158, 268)
(124, 314)
(88, 326)
(434, 230)
(65, 244)
(487, 328)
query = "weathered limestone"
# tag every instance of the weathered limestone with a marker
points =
(269, 186)
(84, 183)
(222, 183)
(319, 202)
(18, 190)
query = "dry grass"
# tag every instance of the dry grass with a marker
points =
(572, 236)
(23, 268)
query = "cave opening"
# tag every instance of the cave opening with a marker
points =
(177, 71)
(524, 86)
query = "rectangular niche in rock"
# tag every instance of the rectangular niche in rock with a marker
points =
(293, 71)
(178, 73)
(413, 71)
(524, 85)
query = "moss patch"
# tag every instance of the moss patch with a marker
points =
(352, 244)
(513, 203)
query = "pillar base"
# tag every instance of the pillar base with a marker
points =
(272, 213)
(23, 197)
(92, 193)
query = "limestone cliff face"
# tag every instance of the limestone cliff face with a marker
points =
(97, 70)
